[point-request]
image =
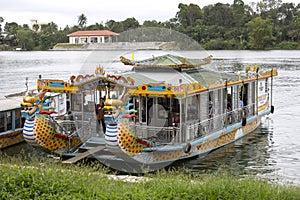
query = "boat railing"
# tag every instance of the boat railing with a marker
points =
(82, 129)
(66, 126)
(205, 127)
(162, 135)
(193, 129)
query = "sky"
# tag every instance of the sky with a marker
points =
(63, 12)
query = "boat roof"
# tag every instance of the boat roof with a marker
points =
(168, 69)
(10, 104)
(167, 61)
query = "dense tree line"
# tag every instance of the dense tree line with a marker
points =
(268, 24)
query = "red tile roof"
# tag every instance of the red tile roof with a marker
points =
(92, 33)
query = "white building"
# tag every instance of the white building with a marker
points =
(35, 21)
(98, 36)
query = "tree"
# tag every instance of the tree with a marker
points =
(260, 33)
(82, 21)
(188, 14)
(96, 26)
(286, 13)
(48, 36)
(218, 14)
(49, 28)
(152, 23)
(114, 26)
(266, 5)
(11, 30)
(130, 23)
(25, 38)
(241, 13)
(1, 21)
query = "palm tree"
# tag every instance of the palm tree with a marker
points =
(82, 20)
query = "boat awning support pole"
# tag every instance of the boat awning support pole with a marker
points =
(180, 120)
(272, 107)
(256, 95)
(13, 120)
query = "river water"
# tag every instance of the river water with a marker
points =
(271, 152)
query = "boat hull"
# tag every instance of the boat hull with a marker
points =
(155, 158)
(11, 138)
(41, 133)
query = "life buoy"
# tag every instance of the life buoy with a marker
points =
(187, 148)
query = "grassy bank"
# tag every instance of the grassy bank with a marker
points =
(33, 180)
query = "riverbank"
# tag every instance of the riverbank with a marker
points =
(115, 46)
(47, 180)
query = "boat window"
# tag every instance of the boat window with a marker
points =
(192, 107)
(76, 102)
(165, 111)
(244, 94)
(136, 106)
(165, 102)
(2, 127)
(235, 97)
(145, 104)
(18, 119)
(175, 112)
(266, 86)
(9, 120)
(211, 98)
(252, 98)
(217, 103)
(203, 106)
(228, 94)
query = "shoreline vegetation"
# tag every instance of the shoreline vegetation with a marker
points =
(265, 25)
(43, 179)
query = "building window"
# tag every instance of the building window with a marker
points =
(83, 40)
(101, 39)
(94, 40)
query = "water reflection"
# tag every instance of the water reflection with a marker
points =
(249, 155)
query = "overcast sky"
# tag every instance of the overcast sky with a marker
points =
(63, 12)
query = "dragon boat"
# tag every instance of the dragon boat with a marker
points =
(10, 123)
(160, 110)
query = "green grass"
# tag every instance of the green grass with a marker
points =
(67, 46)
(48, 180)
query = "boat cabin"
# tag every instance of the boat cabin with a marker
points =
(10, 123)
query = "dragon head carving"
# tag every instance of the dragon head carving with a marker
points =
(36, 104)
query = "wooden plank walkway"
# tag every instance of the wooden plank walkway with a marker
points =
(84, 155)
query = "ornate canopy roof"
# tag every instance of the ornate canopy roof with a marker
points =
(167, 61)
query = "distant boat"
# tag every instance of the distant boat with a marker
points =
(18, 49)
(164, 109)
(10, 123)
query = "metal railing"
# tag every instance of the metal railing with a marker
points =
(73, 129)
(208, 126)
(162, 135)
(194, 129)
